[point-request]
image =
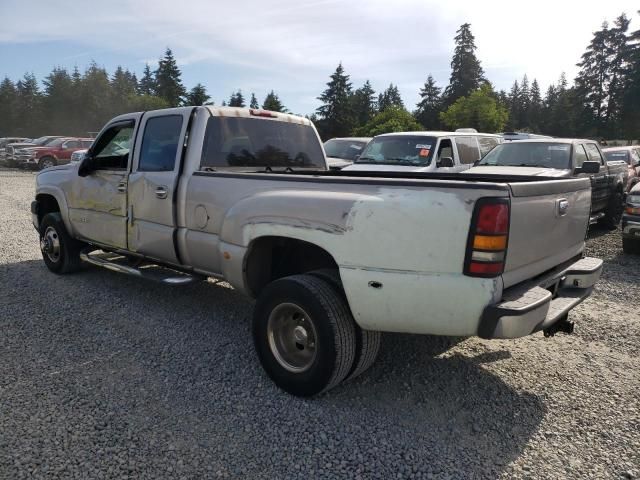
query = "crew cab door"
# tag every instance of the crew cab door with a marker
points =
(600, 187)
(98, 202)
(153, 184)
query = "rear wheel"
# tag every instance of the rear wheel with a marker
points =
(304, 334)
(631, 245)
(613, 212)
(60, 252)
(46, 162)
(367, 341)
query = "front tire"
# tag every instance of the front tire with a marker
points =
(60, 252)
(304, 335)
(46, 162)
(613, 212)
(631, 245)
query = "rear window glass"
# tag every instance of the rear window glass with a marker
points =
(487, 144)
(250, 142)
(617, 156)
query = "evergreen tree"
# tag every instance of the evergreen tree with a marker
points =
(236, 99)
(364, 103)
(392, 119)
(466, 72)
(336, 117)
(514, 103)
(630, 113)
(147, 85)
(124, 86)
(254, 102)
(618, 65)
(273, 103)
(168, 84)
(95, 96)
(59, 95)
(197, 96)
(525, 100)
(429, 107)
(390, 98)
(9, 108)
(535, 107)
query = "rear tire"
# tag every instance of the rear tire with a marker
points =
(60, 252)
(367, 341)
(46, 162)
(613, 212)
(631, 245)
(304, 335)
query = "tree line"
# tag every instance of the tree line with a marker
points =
(602, 102)
(74, 103)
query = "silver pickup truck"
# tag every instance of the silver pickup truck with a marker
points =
(332, 258)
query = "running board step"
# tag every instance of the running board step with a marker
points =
(594, 218)
(116, 263)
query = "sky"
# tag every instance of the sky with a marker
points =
(292, 46)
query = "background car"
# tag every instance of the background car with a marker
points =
(511, 136)
(631, 222)
(4, 141)
(58, 152)
(78, 155)
(631, 155)
(342, 152)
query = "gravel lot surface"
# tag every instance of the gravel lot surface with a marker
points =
(103, 376)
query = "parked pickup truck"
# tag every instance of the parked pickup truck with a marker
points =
(564, 158)
(332, 258)
(58, 152)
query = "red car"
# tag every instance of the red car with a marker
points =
(55, 153)
(631, 155)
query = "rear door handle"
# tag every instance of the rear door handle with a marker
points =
(161, 192)
(122, 187)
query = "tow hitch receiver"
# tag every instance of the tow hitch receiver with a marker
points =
(563, 325)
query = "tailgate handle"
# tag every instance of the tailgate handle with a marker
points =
(562, 207)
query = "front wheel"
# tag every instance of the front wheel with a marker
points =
(631, 245)
(613, 212)
(304, 335)
(46, 162)
(60, 252)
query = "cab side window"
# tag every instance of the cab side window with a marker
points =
(111, 149)
(579, 155)
(468, 149)
(444, 150)
(160, 144)
(593, 153)
(72, 144)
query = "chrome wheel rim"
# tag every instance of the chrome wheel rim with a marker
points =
(292, 337)
(50, 244)
(47, 164)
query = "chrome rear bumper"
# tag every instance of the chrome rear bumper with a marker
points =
(528, 308)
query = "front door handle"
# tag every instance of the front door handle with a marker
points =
(161, 192)
(122, 187)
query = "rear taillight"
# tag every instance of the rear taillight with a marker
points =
(488, 238)
(632, 210)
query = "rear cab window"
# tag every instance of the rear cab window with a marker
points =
(241, 143)
(487, 144)
(593, 153)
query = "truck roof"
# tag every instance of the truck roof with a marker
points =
(439, 134)
(555, 140)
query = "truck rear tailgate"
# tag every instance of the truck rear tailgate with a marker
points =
(548, 225)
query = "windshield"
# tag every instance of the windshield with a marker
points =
(346, 149)
(523, 154)
(617, 155)
(399, 150)
(56, 143)
(250, 142)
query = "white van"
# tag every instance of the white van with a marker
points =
(425, 151)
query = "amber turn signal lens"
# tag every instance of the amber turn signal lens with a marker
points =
(490, 242)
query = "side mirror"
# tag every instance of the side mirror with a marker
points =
(589, 167)
(87, 165)
(446, 162)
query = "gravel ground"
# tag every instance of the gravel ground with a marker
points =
(103, 376)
